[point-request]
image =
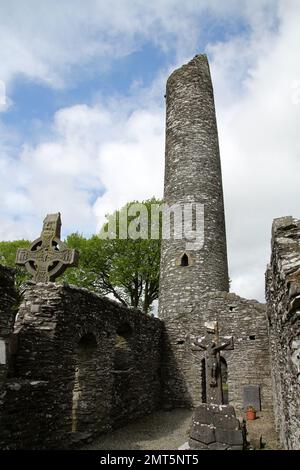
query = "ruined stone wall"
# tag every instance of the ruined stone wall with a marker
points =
(192, 174)
(248, 363)
(83, 365)
(283, 297)
(8, 299)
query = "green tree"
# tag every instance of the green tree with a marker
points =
(127, 269)
(8, 251)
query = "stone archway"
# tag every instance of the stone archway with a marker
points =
(84, 402)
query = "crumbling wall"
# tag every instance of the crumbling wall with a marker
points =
(83, 365)
(248, 363)
(283, 297)
(8, 299)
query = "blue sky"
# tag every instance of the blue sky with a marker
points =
(82, 116)
(38, 101)
(34, 102)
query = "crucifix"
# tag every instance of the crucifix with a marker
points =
(212, 344)
(47, 257)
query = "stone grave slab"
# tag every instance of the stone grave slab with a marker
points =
(251, 397)
(215, 427)
(2, 352)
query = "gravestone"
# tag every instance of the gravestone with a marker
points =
(251, 397)
(47, 257)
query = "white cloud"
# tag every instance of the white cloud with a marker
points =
(3, 97)
(132, 168)
(100, 156)
(96, 161)
(46, 40)
(259, 141)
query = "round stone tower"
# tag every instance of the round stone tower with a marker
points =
(192, 174)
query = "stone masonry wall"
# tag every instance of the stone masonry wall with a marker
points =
(248, 363)
(8, 298)
(83, 364)
(283, 297)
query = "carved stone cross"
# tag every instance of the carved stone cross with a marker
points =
(213, 344)
(47, 257)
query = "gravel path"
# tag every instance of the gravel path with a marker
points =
(163, 430)
(168, 430)
(263, 427)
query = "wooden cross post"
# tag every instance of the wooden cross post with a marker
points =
(212, 344)
(47, 257)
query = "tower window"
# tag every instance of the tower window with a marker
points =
(252, 337)
(184, 260)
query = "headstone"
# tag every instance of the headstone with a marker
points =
(2, 352)
(251, 397)
(47, 257)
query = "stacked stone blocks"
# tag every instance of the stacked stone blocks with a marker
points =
(215, 427)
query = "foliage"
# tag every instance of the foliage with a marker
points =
(126, 269)
(251, 408)
(8, 251)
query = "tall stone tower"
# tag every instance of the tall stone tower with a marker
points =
(192, 174)
(194, 277)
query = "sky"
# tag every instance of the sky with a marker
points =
(82, 112)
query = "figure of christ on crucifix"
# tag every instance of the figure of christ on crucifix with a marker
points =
(212, 344)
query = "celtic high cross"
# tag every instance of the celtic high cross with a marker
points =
(47, 257)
